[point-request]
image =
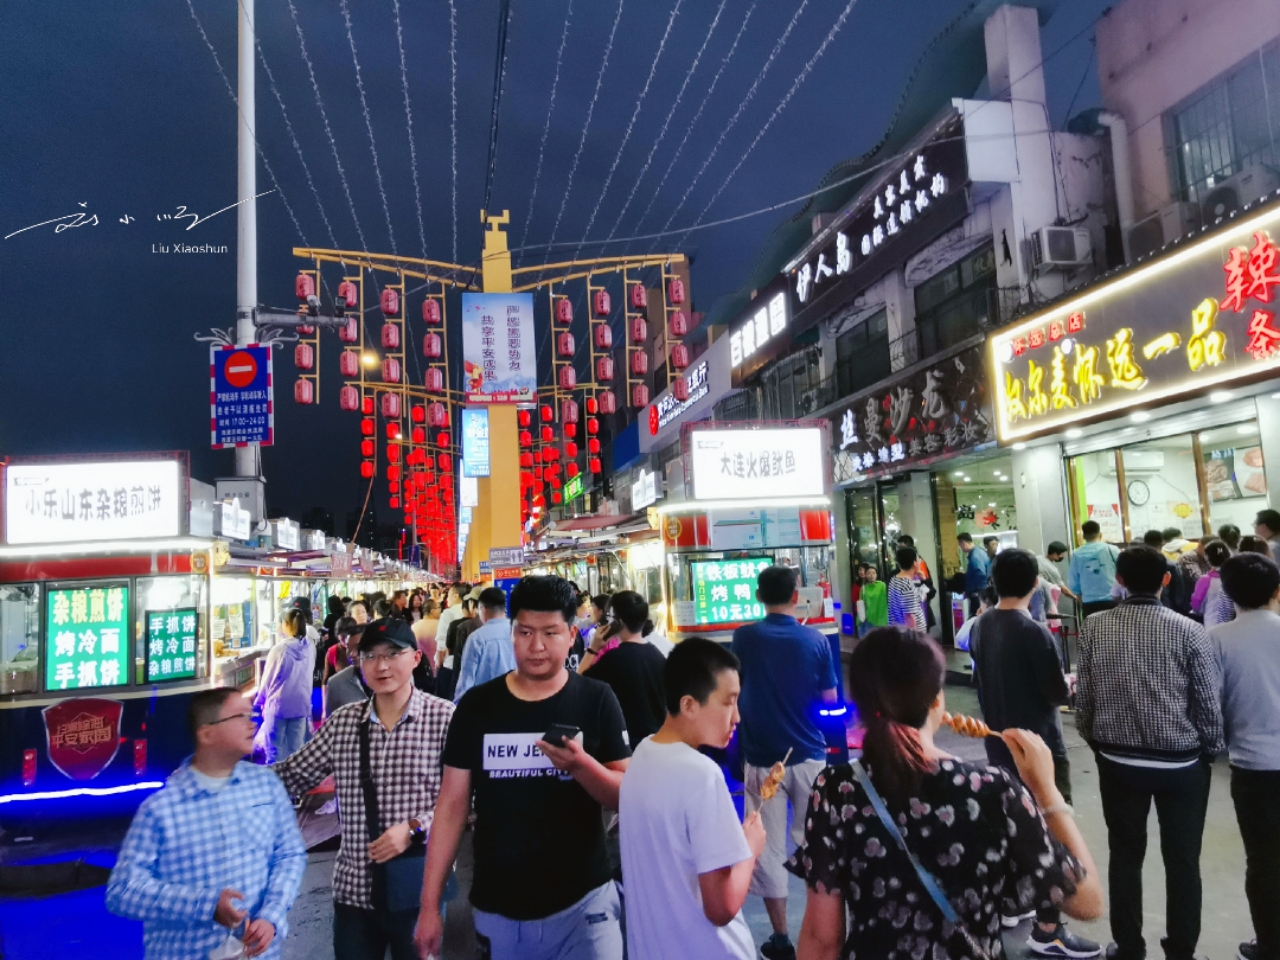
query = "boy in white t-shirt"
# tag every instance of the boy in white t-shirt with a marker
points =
(686, 861)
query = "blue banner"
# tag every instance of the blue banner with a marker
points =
(475, 442)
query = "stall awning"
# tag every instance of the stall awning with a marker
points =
(583, 524)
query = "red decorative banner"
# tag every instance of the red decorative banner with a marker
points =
(83, 735)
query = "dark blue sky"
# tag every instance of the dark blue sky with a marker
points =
(119, 106)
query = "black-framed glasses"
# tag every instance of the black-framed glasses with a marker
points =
(383, 657)
(235, 716)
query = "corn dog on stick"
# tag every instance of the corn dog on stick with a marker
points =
(966, 726)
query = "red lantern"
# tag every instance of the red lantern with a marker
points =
(366, 427)
(571, 470)
(393, 452)
(679, 323)
(570, 430)
(418, 413)
(547, 434)
(593, 426)
(637, 330)
(366, 448)
(568, 411)
(604, 336)
(391, 371)
(433, 380)
(608, 403)
(555, 485)
(349, 363)
(304, 391)
(564, 345)
(366, 469)
(568, 377)
(592, 408)
(526, 438)
(639, 363)
(393, 431)
(537, 473)
(600, 303)
(570, 449)
(393, 472)
(524, 418)
(604, 369)
(432, 346)
(564, 310)
(675, 290)
(526, 459)
(349, 398)
(390, 302)
(347, 293)
(419, 435)
(437, 416)
(680, 356)
(304, 356)
(304, 286)
(431, 311)
(547, 412)
(443, 439)
(639, 296)
(555, 496)
(594, 464)
(444, 463)
(639, 396)
(349, 332)
(391, 336)
(680, 389)
(366, 406)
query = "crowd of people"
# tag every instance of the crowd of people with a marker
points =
(576, 748)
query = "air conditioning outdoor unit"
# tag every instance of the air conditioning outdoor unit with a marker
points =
(1165, 226)
(1061, 247)
(1250, 184)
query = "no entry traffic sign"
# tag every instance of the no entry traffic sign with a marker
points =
(240, 396)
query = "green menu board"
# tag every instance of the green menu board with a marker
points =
(87, 638)
(724, 591)
(171, 644)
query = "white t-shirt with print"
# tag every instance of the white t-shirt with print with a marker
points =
(677, 821)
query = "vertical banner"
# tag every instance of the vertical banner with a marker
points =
(475, 442)
(498, 350)
(240, 395)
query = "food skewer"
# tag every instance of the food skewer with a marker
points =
(777, 773)
(966, 726)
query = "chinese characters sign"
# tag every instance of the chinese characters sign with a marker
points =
(498, 349)
(754, 464)
(724, 591)
(87, 638)
(669, 409)
(240, 395)
(65, 502)
(475, 443)
(171, 644)
(1198, 317)
(762, 325)
(936, 412)
(82, 735)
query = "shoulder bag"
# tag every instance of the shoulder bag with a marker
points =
(397, 884)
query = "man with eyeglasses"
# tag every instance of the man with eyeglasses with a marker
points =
(398, 737)
(216, 854)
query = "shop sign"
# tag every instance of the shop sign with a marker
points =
(234, 523)
(468, 491)
(573, 488)
(315, 539)
(485, 566)
(667, 409)
(1198, 317)
(499, 359)
(724, 591)
(171, 644)
(82, 735)
(758, 464)
(934, 413)
(288, 535)
(114, 500)
(645, 490)
(340, 564)
(766, 324)
(86, 638)
(475, 442)
(746, 528)
(506, 556)
(240, 396)
(508, 573)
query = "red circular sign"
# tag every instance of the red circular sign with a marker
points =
(241, 369)
(653, 420)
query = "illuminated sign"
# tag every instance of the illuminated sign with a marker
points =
(87, 638)
(645, 490)
(762, 326)
(468, 491)
(475, 442)
(233, 522)
(288, 535)
(573, 488)
(498, 353)
(1198, 317)
(724, 591)
(112, 500)
(669, 409)
(738, 464)
(171, 644)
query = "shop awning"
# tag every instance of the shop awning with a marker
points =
(584, 524)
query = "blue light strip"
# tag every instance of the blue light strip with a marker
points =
(834, 712)
(82, 792)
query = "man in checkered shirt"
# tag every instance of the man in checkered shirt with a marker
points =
(406, 742)
(217, 851)
(1148, 704)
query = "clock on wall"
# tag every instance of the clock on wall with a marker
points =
(1139, 493)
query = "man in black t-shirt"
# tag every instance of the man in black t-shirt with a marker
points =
(633, 669)
(542, 887)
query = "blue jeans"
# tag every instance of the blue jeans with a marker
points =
(588, 930)
(287, 737)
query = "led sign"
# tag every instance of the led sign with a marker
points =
(758, 464)
(475, 442)
(87, 638)
(669, 409)
(1197, 317)
(573, 488)
(724, 591)
(767, 322)
(645, 490)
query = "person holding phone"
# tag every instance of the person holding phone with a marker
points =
(543, 750)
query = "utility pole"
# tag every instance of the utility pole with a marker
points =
(248, 462)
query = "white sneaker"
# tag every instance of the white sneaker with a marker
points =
(1009, 922)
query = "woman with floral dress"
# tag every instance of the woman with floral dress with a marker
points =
(989, 844)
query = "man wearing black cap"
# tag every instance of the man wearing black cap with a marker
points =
(398, 737)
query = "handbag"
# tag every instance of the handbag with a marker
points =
(397, 884)
(927, 879)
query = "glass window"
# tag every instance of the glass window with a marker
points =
(19, 638)
(955, 304)
(172, 624)
(864, 539)
(232, 626)
(1235, 476)
(862, 354)
(1095, 494)
(1162, 487)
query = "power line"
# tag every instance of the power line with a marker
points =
(417, 191)
(499, 74)
(453, 115)
(546, 127)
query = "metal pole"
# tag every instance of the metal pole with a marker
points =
(246, 213)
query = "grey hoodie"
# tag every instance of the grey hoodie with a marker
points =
(285, 692)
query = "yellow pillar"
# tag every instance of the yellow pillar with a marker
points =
(495, 521)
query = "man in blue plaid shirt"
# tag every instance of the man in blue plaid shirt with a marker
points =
(217, 851)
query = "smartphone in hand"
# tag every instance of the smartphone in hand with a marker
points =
(558, 733)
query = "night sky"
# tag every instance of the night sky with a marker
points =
(120, 107)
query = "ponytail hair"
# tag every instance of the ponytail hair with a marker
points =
(895, 676)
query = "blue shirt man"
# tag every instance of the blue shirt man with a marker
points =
(977, 571)
(217, 851)
(489, 651)
(1092, 575)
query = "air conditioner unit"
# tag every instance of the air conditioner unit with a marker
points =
(1058, 247)
(1250, 184)
(1145, 462)
(1165, 226)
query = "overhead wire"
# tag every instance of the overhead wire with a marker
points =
(546, 127)
(499, 74)
(417, 190)
(453, 116)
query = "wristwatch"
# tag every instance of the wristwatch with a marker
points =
(417, 830)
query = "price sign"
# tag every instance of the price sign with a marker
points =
(87, 638)
(171, 644)
(724, 591)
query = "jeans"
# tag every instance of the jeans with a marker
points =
(1256, 794)
(360, 934)
(1182, 798)
(588, 930)
(286, 738)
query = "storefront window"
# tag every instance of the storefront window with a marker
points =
(863, 529)
(172, 628)
(862, 354)
(1235, 476)
(232, 627)
(1162, 487)
(955, 304)
(1095, 493)
(19, 638)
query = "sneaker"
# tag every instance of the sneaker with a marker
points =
(778, 947)
(1248, 951)
(1061, 942)
(1009, 921)
(1113, 953)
